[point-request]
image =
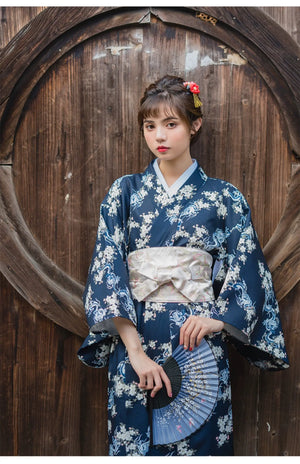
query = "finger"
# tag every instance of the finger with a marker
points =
(181, 333)
(149, 383)
(193, 338)
(143, 382)
(167, 383)
(200, 336)
(157, 387)
(182, 330)
(187, 334)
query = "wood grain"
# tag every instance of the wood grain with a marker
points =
(60, 293)
(51, 404)
(284, 261)
(279, 395)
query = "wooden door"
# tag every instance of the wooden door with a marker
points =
(68, 110)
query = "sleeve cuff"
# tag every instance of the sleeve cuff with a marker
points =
(236, 333)
(107, 325)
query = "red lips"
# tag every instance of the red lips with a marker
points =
(162, 148)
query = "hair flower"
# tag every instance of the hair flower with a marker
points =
(194, 89)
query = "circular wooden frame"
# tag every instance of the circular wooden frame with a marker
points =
(248, 31)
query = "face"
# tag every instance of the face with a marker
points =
(168, 136)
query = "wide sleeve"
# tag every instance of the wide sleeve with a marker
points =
(107, 293)
(246, 302)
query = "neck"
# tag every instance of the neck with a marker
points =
(172, 170)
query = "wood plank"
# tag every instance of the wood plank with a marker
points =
(287, 18)
(284, 261)
(51, 404)
(42, 30)
(279, 396)
(278, 65)
(8, 329)
(62, 294)
(13, 19)
(51, 47)
(245, 399)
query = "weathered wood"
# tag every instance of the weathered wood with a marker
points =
(245, 399)
(54, 45)
(279, 395)
(13, 19)
(51, 404)
(282, 252)
(268, 48)
(29, 264)
(287, 18)
(8, 348)
(57, 22)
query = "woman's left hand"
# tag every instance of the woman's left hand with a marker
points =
(195, 328)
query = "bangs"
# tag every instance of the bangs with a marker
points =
(154, 104)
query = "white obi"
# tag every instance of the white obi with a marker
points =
(171, 274)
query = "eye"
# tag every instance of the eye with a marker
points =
(171, 125)
(149, 126)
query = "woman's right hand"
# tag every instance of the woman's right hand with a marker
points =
(151, 375)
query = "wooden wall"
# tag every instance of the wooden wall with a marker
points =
(50, 403)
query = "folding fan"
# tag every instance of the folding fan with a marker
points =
(194, 380)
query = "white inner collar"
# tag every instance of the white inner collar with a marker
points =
(179, 182)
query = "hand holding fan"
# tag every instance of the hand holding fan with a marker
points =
(194, 380)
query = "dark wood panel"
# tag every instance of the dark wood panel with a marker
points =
(8, 349)
(245, 399)
(51, 404)
(284, 261)
(287, 18)
(279, 395)
(13, 19)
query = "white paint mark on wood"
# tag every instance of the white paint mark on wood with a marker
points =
(68, 176)
(116, 50)
(231, 58)
(99, 55)
(207, 61)
(191, 60)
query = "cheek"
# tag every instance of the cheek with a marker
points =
(148, 138)
(183, 137)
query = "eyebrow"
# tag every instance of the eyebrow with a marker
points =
(170, 118)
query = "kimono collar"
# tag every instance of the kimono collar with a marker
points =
(171, 190)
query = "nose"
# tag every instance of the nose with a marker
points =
(160, 134)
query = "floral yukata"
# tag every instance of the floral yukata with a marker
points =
(198, 212)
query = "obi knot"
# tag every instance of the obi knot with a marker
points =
(170, 274)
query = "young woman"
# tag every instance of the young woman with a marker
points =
(176, 261)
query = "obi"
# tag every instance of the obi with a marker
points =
(171, 274)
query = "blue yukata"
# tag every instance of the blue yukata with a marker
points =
(141, 211)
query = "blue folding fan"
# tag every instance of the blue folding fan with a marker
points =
(194, 380)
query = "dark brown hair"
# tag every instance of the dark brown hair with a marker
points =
(170, 91)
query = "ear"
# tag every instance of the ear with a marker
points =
(196, 126)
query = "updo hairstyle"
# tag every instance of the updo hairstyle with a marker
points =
(169, 91)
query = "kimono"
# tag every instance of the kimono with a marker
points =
(210, 214)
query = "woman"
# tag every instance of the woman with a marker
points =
(176, 261)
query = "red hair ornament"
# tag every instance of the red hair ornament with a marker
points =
(194, 89)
